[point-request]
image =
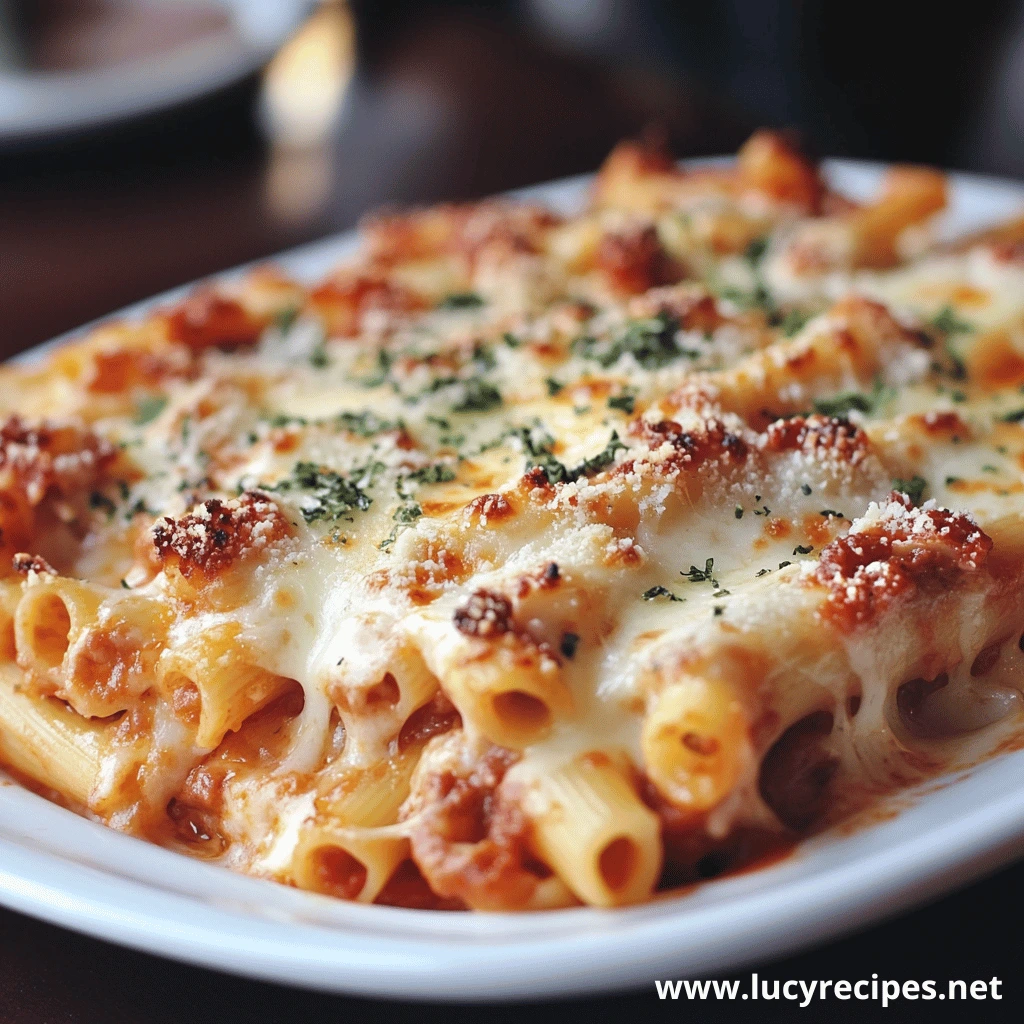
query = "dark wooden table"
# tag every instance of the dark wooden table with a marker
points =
(89, 225)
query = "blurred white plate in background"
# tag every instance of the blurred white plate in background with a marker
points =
(73, 872)
(111, 66)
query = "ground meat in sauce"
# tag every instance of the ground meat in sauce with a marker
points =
(470, 840)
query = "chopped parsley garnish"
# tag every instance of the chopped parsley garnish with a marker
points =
(599, 461)
(738, 512)
(539, 449)
(806, 488)
(951, 480)
(947, 321)
(651, 341)
(794, 322)
(989, 468)
(913, 488)
(756, 299)
(405, 514)
(511, 340)
(626, 402)
(318, 358)
(285, 318)
(330, 495)
(461, 300)
(803, 549)
(99, 500)
(148, 409)
(283, 419)
(755, 251)
(570, 642)
(848, 401)
(540, 452)
(695, 575)
(483, 357)
(365, 424)
(1013, 417)
(380, 374)
(478, 396)
(139, 508)
(782, 565)
(762, 572)
(826, 512)
(436, 473)
(947, 324)
(553, 386)
(655, 592)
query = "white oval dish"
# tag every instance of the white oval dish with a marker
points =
(72, 872)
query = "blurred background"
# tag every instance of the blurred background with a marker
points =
(146, 142)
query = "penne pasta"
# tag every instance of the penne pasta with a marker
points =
(512, 694)
(46, 741)
(592, 828)
(348, 849)
(695, 742)
(52, 615)
(215, 666)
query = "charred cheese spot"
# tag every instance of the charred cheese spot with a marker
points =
(25, 563)
(117, 371)
(690, 305)
(207, 319)
(993, 362)
(64, 457)
(837, 437)
(714, 443)
(220, 534)
(486, 509)
(944, 425)
(900, 550)
(343, 301)
(485, 614)
(634, 261)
